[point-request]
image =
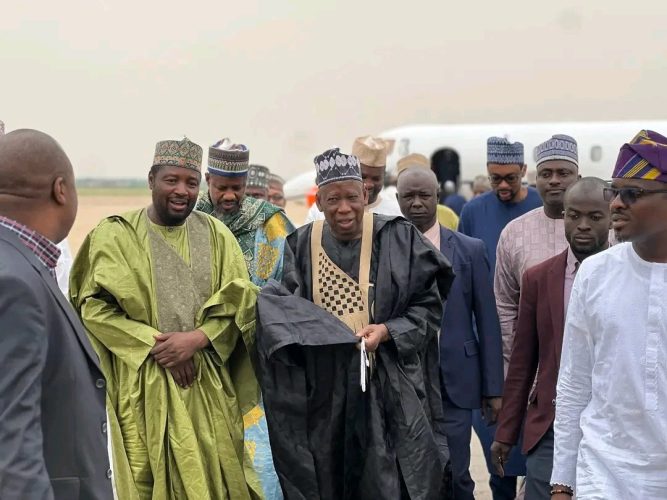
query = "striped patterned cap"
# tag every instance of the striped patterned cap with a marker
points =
(500, 150)
(644, 157)
(183, 153)
(2, 128)
(559, 147)
(228, 159)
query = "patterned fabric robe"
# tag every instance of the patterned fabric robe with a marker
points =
(261, 229)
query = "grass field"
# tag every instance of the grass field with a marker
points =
(96, 204)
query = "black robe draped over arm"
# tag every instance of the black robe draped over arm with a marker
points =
(329, 439)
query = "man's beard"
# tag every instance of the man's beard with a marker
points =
(176, 220)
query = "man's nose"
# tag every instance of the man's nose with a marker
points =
(617, 203)
(344, 207)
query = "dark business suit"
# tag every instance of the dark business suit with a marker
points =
(53, 441)
(538, 341)
(471, 364)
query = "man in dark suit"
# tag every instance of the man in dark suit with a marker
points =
(545, 294)
(471, 364)
(53, 442)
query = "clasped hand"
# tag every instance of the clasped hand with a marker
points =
(174, 351)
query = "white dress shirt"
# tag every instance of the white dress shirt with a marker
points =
(64, 267)
(611, 408)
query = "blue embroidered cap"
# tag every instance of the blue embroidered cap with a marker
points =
(500, 150)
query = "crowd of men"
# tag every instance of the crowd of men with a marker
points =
(203, 347)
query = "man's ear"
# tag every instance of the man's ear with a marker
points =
(207, 176)
(59, 191)
(151, 180)
(317, 201)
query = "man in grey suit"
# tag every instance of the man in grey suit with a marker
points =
(53, 442)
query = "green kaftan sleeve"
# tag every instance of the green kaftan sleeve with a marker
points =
(110, 287)
(228, 317)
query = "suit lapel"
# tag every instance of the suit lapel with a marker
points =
(71, 317)
(58, 295)
(446, 247)
(556, 288)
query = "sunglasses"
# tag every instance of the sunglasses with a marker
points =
(629, 195)
(509, 179)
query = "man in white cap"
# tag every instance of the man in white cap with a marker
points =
(372, 153)
(525, 242)
(484, 217)
(537, 235)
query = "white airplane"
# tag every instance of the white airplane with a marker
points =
(459, 151)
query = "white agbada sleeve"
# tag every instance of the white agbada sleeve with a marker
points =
(573, 389)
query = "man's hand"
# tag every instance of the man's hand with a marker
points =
(499, 454)
(373, 335)
(174, 348)
(562, 496)
(184, 373)
(491, 409)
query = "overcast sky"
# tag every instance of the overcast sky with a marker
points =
(109, 78)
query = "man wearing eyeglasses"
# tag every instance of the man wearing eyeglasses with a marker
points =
(610, 428)
(484, 217)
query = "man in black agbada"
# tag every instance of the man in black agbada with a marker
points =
(354, 280)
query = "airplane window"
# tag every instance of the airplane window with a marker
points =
(596, 153)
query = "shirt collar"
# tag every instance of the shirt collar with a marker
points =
(572, 263)
(44, 249)
(433, 234)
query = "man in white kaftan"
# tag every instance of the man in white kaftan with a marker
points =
(611, 408)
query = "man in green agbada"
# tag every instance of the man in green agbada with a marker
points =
(165, 297)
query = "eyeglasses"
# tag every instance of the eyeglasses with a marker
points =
(629, 195)
(498, 179)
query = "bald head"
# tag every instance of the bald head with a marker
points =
(586, 187)
(29, 163)
(420, 173)
(418, 196)
(37, 183)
